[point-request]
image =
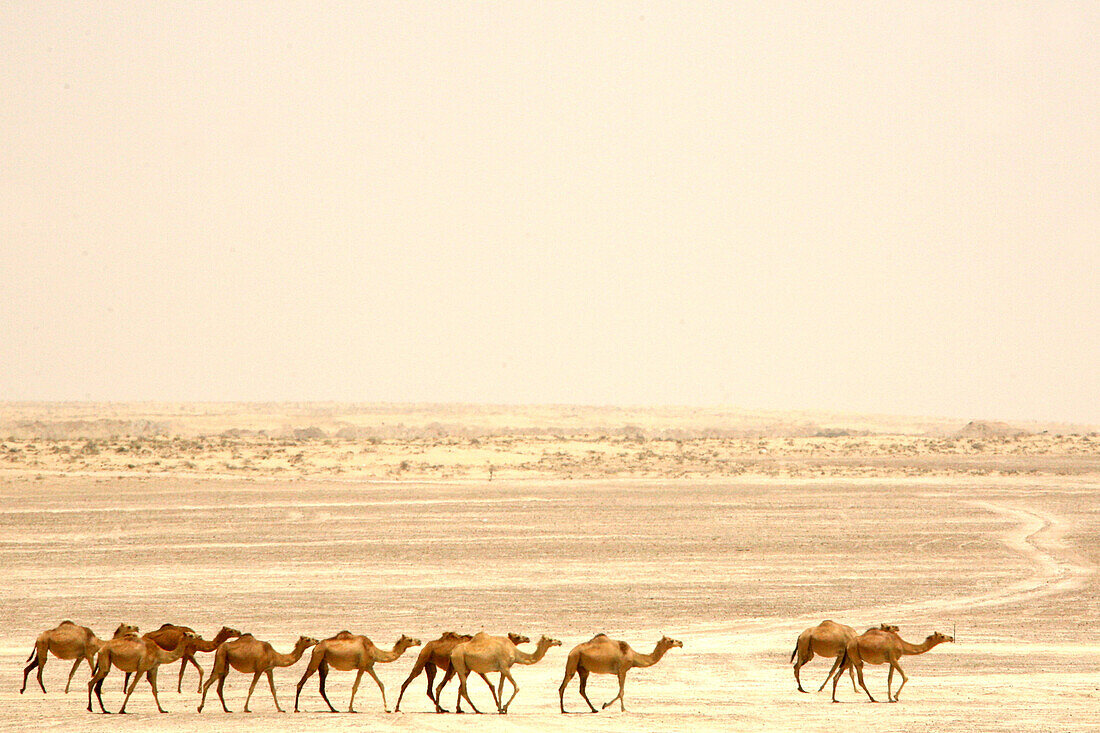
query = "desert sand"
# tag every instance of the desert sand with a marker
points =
(730, 541)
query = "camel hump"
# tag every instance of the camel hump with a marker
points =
(600, 635)
(165, 626)
(345, 634)
(67, 622)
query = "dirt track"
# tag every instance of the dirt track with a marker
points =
(734, 567)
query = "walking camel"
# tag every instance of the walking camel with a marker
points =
(604, 655)
(132, 653)
(248, 654)
(67, 641)
(347, 651)
(168, 635)
(883, 647)
(827, 639)
(485, 654)
(436, 654)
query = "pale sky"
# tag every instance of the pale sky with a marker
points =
(878, 207)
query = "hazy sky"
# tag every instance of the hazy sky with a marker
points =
(882, 206)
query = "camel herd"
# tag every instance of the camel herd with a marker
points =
(880, 645)
(452, 654)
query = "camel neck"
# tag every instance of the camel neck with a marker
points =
(921, 648)
(381, 655)
(287, 660)
(648, 660)
(523, 657)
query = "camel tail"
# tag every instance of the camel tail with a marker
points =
(794, 653)
(34, 650)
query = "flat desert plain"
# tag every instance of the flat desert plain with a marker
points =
(735, 566)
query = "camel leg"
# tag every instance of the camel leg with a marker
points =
(42, 659)
(852, 674)
(904, 679)
(271, 684)
(416, 670)
(130, 691)
(859, 673)
(498, 694)
(832, 670)
(619, 697)
(183, 668)
(209, 681)
(72, 673)
(570, 670)
(583, 674)
(301, 684)
(463, 692)
(381, 687)
(889, 683)
(126, 682)
(798, 665)
(151, 675)
(98, 695)
(439, 691)
(255, 679)
(506, 674)
(322, 673)
(26, 673)
(492, 691)
(220, 690)
(354, 689)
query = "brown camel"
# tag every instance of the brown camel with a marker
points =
(347, 651)
(485, 654)
(435, 655)
(132, 653)
(827, 639)
(168, 636)
(247, 654)
(604, 655)
(883, 647)
(67, 641)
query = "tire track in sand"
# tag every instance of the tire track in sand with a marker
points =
(1037, 537)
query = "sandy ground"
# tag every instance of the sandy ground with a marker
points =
(735, 567)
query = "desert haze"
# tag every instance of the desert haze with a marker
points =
(729, 531)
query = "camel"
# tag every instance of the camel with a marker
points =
(604, 655)
(437, 655)
(883, 647)
(133, 653)
(827, 639)
(67, 641)
(485, 654)
(345, 652)
(248, 654)
(168, 635)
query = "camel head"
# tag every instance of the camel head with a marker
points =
(668, 643)
(518, 639)
(547, 642)
(304, 642)
(938, 638)
(454, 635)
(124, 629)
(230, 632)
(889, 628)
(405, 642)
